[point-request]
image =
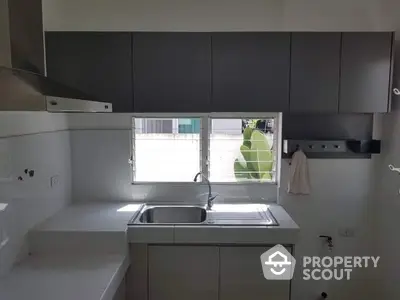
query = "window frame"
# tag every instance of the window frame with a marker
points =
(205, 124)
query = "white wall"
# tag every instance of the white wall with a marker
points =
(23, 123)
(387, 207)
(101, 148)
(38, 141)
(218, 15)
(340, 198)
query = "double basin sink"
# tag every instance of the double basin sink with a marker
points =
(199, 215)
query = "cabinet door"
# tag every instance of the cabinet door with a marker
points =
(183, 272)
(365, 72)
(172, 72)
(315, 65)
(241, 276)
(97, 63)
(250, 72)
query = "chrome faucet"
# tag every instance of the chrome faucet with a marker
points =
(210, 197)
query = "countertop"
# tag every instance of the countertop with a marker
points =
(231, 229)
(65, 278)
(82, 251)
(89, 217)
(85, 228)
(79, 253)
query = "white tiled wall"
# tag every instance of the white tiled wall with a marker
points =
(101, 172)
(33, 144)
(4, 239)
(340, 198)
(387, 207)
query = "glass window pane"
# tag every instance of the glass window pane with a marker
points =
(166, 150)
(242, 150)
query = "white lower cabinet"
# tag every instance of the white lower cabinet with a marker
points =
(183, 272)
(241, 276)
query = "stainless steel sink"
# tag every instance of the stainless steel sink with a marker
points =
(219, 215)
(172, 215)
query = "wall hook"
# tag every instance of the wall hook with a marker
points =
(394, 169)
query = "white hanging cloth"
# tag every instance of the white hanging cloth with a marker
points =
(299, 179)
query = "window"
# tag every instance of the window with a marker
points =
(166, 150)
(240, 150)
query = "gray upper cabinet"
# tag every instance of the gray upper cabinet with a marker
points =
(191, 72)
(97, 63)
(315, 66)
(365, 72)
(172, 72)
(250, 72)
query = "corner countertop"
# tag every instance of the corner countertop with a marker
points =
(84, 228)
(65, 278)
(79, 253)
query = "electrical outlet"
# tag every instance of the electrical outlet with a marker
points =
(347, 232)
(54, 181)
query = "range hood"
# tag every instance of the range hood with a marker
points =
(24, 90)
(23, 84)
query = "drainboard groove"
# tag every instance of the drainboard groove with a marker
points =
(239, 216)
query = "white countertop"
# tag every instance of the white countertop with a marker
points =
(84, 228)
(81, 252)
(65, 278)
(232, 231)
(88, 217)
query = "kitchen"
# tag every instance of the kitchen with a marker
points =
(90, 152)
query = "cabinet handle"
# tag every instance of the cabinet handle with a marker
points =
(396, 91)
